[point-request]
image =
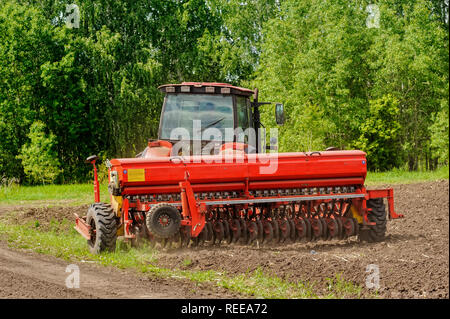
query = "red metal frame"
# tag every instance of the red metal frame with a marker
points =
(96, 184)
(389, 195)
(240, 174)
(83, 228)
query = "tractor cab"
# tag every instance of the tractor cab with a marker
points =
(205, 118)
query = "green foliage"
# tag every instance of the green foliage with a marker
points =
(322, 53)
(440, 133)
(95, 87)
(379, 134)
(39, 157)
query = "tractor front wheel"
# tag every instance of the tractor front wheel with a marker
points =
(103, 224)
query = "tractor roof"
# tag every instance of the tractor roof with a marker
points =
(205, 87)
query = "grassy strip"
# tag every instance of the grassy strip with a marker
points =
(71, 194)
(69, 246)
(397, 176)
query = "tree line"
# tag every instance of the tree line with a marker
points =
(371, 75)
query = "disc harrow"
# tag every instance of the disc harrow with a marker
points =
(267, 224)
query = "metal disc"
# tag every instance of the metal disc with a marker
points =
(252, 228)
(227, 231)
(293, 232)
(210, 231)
(308, 236)
(340, 227)
(194, 241)
(300, 228)
(349, 227)
(267, 231)
(316, 228)
(244, 231)
(260, 230)
(219, 232)
(203, 236)
(355, 222)
(285, 230)
(276, 231)
(235, 228)
(324, 228)
(176, 241)
(185, 235)
(333, 228)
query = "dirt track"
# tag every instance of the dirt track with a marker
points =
(29, 275)
(413, 260)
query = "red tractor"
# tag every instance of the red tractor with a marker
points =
(201, 183)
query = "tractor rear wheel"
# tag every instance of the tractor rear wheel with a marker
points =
(375, 233)
(103, 224)
(163, 220)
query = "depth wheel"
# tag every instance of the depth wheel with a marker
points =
(163, 220)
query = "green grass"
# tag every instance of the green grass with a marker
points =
(68, 245)
(72, 194)
(400, 176)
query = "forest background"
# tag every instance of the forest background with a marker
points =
(370, 75)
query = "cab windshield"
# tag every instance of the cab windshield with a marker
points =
(180, 110)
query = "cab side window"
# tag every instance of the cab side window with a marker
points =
(243, 113)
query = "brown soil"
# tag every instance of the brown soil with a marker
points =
(413, 261)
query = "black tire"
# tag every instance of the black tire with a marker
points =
(163, 220)
(103, 224)
(377, 232)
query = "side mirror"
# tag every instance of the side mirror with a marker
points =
(279, 114)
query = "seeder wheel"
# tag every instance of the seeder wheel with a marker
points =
(163, 220)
